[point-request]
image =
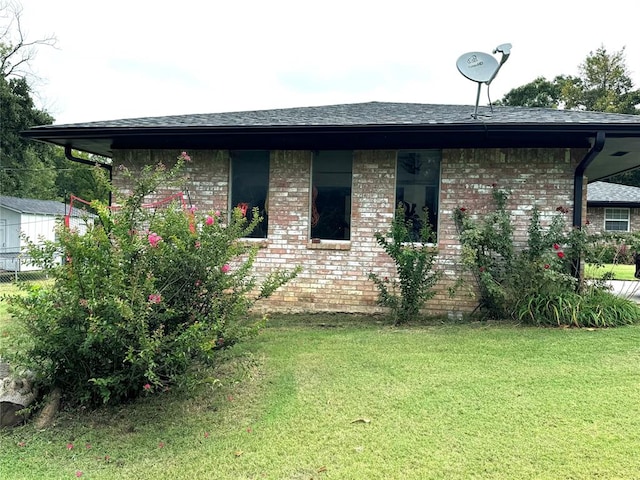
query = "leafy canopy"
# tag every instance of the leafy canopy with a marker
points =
(31, 169)
(603, 84)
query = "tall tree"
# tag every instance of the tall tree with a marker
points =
(26, 168)
(603, 84)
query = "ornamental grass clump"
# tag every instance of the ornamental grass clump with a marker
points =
(414, 259)
(541, 283)
(142, 295)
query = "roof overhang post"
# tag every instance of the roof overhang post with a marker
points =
(578, 193)
(578, 177)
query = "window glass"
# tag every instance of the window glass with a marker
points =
(417, 186)
(331, 195)
(616, 219)
(250, 184)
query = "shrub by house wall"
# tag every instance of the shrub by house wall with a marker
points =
(334, 276)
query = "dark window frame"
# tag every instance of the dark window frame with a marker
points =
(418, 183)
(254, 192)
(331, 195)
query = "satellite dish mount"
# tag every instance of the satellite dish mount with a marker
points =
(482, 68)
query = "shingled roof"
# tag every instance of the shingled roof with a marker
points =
(363, 114)
(33, 206)
(372, 125)
(612, 194)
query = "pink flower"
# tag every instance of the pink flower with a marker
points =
(184, 156)
(546, 266)
(161, 445)
(560, 255)
(78, 473)
(217, 213)
(209, 220)
(198, 244)
(146, 386)
(556, 246)
(155, 298)
(193, 210)
(154, 239)
(206, 434)
(69, 446)
(225, 268)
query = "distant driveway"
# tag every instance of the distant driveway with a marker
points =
(626, 288)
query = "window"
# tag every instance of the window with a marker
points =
(250, 184)
(331, 195)
(616, 219)
(417, 186)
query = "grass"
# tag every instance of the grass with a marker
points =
(619, 271)
(335, 397)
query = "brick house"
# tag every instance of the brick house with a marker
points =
(327, 178)
(612, 207)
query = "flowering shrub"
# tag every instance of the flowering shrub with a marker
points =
(142, 295)
(541, 283)
(414, 261)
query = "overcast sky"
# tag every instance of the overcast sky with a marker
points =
(139, 58)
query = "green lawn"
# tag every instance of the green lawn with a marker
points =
(619, 271)
(333, 397)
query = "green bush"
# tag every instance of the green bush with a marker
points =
(614, 251)
(541, 283)
(593, 308)
(142, 294)
(414, 260)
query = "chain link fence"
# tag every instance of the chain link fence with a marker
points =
(17, 266)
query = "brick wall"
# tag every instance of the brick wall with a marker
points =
(334, 276)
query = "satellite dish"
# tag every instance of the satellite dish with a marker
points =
(477, 66)
(482, 68)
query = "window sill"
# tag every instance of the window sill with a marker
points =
(329, 245)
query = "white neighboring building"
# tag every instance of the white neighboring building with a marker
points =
(35, 219)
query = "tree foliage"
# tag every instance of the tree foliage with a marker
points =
(31, 169)
(603, 84)
(539, 93)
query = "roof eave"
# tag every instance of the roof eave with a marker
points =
(104, 140)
